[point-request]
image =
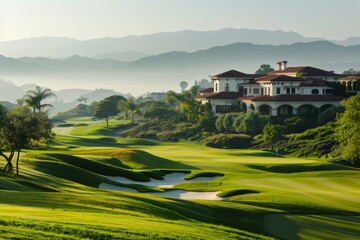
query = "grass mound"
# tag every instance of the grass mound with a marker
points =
(71, 173)
(66, 125)
(142, 160)
(98, 167)
(236, 192)
(195, 175)
(81, 125)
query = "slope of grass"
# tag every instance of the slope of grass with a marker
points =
(57, 196)
(141, 160)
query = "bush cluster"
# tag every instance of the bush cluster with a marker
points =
(228, 141)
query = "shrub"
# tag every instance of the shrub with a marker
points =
(329, 115)
(168, 136)
(228, 141)
(149, 129)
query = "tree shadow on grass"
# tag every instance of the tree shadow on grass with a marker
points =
(96, 142)
(296, 168)
(258, 154)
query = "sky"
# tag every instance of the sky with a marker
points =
(88, 19)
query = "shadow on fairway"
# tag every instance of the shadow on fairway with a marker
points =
(294, 168)
(257, 154)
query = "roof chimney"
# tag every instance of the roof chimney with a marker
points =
(283, 65)
(279, 65)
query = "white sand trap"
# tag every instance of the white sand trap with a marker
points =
(114, 187)
(169, 181)
(174, 194)
(190, 195)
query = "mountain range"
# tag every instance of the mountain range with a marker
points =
(242, 56)
(152, 44)
(158, 62)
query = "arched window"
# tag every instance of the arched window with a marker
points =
(315, 91)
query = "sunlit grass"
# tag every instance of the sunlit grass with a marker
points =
(57, 194)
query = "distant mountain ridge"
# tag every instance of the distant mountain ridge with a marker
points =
(164, 71)
(241, 55)
(186, 40)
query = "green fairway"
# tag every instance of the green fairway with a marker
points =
(57, 194)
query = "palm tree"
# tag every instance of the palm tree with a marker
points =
(33, 98)
(194, 110)
(130, 106)
(179, 98)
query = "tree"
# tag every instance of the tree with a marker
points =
(273, 133)
(183, 85)
(252, 123)
(34, 98)
(228, 121)
(193, 110)
(194, 90)
(351, 71)
(19, 129)
(219, 123)
(172, 96)
(264, 69)
(82, 99)
(91, 108)
(131, 107)
(237, 123)
(105, 109)
(207, 122)
(348, 133)
(329, 114)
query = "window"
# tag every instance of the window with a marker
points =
(290, 90)
(216, 87)
(315, 91)
(255, 90)
(278, 90)
(245, 91)
(227, 87)
(262, 91)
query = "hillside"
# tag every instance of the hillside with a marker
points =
(61, 191)
(156, 43)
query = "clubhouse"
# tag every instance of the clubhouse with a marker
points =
(288, 90)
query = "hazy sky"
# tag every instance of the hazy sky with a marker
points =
(84, 19)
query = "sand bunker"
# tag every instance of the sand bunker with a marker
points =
(189, 195)
(169, 181)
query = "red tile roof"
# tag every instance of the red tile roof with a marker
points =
(351, 77)
(279, 78)
(306, 70)
(231, 73)
(314, 82)
(293, 97)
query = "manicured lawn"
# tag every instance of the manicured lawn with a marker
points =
(57, 194)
